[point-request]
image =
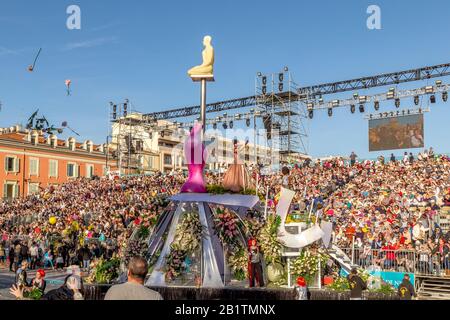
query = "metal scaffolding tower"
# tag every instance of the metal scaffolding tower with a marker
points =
(128, 136)
(285, 116)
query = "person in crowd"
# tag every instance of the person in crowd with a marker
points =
(134, 288)
(11, 257)
(353, 158)
(392, 159)
(34, 255)
(406, 289)
(356, 284)
(72, 289)
(2, 254)
(21, 279)
(39, 281)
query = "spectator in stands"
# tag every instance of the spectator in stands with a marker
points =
(353, 158)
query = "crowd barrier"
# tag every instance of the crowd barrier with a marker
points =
(410, 261)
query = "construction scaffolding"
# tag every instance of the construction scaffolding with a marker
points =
(130, 140)
(285, 117)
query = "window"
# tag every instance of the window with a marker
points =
(53, 168)
(33, 188)
(10, 190)
(168, 159)
(12, 164)
(72, 170)
(34, 167)
(89, 171)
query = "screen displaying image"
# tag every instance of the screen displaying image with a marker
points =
(405, 132)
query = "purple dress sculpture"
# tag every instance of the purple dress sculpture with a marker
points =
(195, 154)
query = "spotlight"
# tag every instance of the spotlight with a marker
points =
(445, 96)
(286, 69)
(438, 83)
(259, 74)
(335, 103)
(391, 93)
(264, 90)
(125, 109)
(330, 112)
(352, 108)
(215, 125)
(416, 100)
(225, 125)
(377, 105)
(433, 98)
(280, 87)
(281, 77)
(361, 108)
(247, 122)
(264, 81)
(231, 124)
(429, 89)
(397, 103)
(311, 114)
(162, 134)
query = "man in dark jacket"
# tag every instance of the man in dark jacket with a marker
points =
(356, 284)
(406, 289)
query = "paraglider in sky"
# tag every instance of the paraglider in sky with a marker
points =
(68, 83)
(31, 67)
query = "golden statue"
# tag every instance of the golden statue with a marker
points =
(207, 67)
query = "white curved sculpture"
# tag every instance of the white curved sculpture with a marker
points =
(302, 239)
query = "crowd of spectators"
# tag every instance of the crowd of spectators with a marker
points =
(373, 205)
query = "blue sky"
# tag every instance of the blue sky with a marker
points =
(141, 50)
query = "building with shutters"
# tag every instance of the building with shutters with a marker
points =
(32, 160)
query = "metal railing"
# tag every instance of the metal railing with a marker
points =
(411, 261)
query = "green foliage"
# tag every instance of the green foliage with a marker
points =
(238, 261)
(271, 247)
(34, 294)
(219, 189)
(340, 284)
(143, 232)
(307, 264)
(105, 271)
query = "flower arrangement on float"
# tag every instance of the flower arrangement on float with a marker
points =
(104, 271)
(187, 240)
(307, 264)
(238, 262)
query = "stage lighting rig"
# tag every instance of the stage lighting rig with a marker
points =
(433, 98)
(391, 94)
(377, 105)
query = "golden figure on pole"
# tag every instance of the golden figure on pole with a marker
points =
(207, 67)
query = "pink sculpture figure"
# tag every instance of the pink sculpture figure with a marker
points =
(195, 154)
